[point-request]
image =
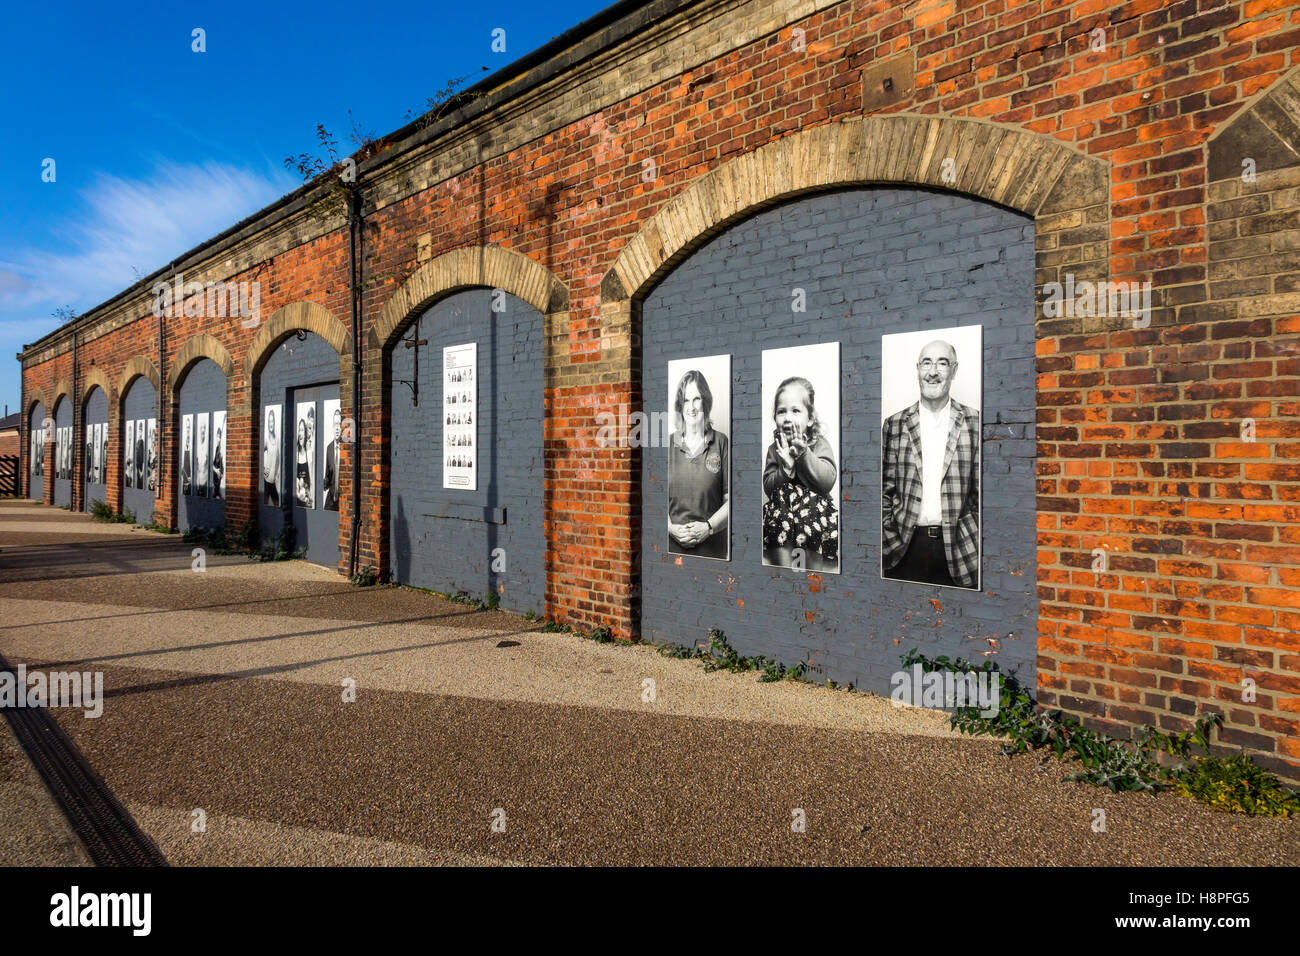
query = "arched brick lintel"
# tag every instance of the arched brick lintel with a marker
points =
(95, 378)
(296, 316)
(196, 348)
(35, 396)
(473, 266)
(1028, 172)
(138, 366)
(61, 391)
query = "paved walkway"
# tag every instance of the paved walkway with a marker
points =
(224, 692)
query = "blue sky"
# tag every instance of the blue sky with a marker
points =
(157, 147)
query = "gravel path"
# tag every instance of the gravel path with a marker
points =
(224, 693)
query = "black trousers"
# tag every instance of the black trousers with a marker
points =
(924, 560)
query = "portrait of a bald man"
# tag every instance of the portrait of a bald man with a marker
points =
(930, 481)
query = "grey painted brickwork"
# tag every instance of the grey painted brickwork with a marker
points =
(454, 551)
(299, 364)
(35, 483)
(62, 486)
(96, 414)
(872, 261)
(140, 404)
(203, 391)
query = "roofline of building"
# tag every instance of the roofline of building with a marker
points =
(620, 20)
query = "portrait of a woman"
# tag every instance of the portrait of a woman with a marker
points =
(302, 472)
(699, 473)
(271, 460)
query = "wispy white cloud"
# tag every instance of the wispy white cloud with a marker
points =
(127, 227)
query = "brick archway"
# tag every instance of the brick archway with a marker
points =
(136, 367)
(195, 348)
(95, 378)
(35, 396)
(298, 316)
(1028, 172)
(61, 391)
(490, 266)
(1066, 192)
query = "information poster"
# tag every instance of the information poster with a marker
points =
(459, 449)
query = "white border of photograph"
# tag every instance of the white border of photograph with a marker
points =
(305, 412)
(898, 392)
(202, 435)
(329, 407)
(716, 370)
(218, 489)
(819, 363)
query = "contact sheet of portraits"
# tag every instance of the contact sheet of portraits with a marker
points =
(801, 479)
(459, 410)
(333, 442)
(699, 457)
(304, 455)
(219, 455)
(272, 442)
(930, 406)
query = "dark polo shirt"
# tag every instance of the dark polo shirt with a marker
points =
(697, 487)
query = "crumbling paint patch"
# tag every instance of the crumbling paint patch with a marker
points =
(938, 608)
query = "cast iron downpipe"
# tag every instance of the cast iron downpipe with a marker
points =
(354, 210)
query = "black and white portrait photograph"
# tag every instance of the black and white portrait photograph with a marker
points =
(201, 455)
(333, 418)
(151, 456)
(187, 454)
(931, 401)
(801, 477)
(128, 455)
(88, 462)
(139, 453)
(699, 457)
(304, 455)
(102, 429)
(272, 442)
(218, 483)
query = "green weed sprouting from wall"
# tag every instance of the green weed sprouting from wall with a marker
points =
(721, 656)
(1233, 784)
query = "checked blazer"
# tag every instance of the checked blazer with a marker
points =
(900, 504)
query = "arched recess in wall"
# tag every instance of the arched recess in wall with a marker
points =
(201, 381)
(59, 459)
(839, 237)
(35, 447)
(93, 437)
(299, 371)
(462, 449)
(136, 450)
(63, 462)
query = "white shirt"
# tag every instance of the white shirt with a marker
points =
(934, 428)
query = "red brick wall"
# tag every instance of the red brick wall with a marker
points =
(1136, 451)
